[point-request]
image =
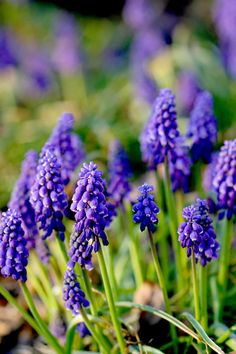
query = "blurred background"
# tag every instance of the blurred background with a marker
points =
(105, 62)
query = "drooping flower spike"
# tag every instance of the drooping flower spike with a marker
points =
(68, 147)
(119, 173)
(13, 250)
(73, 296)
(145, 210)
(20, 198)
(202, 128)
(224, 181)
(91, 213)
(160, 132)
(197, 233)
(47, 194)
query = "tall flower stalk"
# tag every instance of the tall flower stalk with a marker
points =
(145, 211)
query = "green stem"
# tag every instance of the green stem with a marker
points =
(70, 339)
(96, 335)
(173, 226)
(11, 300)
(46, 333)
(134, 248)
(89, 293)
(63, 250)
(111, 266)
(224, 262)
(161, 281)
(110, 300)
(203, 296)
(195, 287)
(162, 234)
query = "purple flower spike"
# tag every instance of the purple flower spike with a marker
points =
(58, 328)
(68, 146)
(145, 209)
(202, 128)
(159, 134)
(197, 233)
(224, 181)
(139, 14)
(179, 166)
(47, 194)
(119, 173)
(73, 296)
(20, 198)
(13, 252)
(91, 213)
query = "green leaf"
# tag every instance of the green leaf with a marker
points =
(146, 349)
(207, 340)
(160, 314)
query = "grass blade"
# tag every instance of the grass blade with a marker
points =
(207, 340)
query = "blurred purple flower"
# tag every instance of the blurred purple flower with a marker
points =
(58, 327)
(8, 56)
(188, 88)
(224, 181)
(83, 330)
(20, 198)
(139, 14)
(179, 166)
(66, 55)
(209, 173)
(202, 128)
(119, 173)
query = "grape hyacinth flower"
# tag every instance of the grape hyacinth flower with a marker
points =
(13, 250)
(20, 198)
(67, 146)
(197, 233)
(160, 132)
(225, 20)
(225, 179)
(139, 14)
(47, 194)
(66, 54)
(91, 213)
(83, 330)
(119, 173)
(58, 327)
(202, 128)
(145, 209)
(73, 296)
(188, 89)
(7, 54)
(179, 166)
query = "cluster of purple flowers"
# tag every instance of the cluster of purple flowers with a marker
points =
(91, 213)
(20, 198)
(7, 53)
(73, 296)
(13, 251)
(67, 145)
(119, 173)
(145, 210)
(197, 233)
(160, 132)
(225, 179)
(202, 128)
(47, 194)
